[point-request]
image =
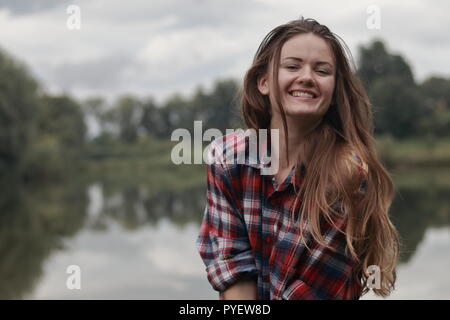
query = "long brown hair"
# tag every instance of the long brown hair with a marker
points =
(345, 129)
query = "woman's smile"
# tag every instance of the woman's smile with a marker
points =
(303, 95)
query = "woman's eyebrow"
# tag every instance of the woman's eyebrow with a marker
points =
(318, 62)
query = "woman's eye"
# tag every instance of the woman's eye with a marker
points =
(323, 71)
(292, 67)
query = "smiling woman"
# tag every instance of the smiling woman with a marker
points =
(313, 229)
(309, 57)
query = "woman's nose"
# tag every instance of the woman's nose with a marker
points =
(305, 76)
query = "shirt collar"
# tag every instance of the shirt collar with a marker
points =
(257, 152)
(263, 162)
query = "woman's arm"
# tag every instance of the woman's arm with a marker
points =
(223, 241)
(244, 289)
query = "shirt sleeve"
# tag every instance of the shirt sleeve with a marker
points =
(299, 290)
(223, 241)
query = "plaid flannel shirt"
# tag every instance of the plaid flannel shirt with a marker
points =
(247, 231)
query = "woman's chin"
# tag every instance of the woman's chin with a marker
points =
(301, 110)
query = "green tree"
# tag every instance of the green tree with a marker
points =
(376, 63)
(19, 99)
(62, 116)
(398, 104)
(125, 118)
(95, 107)
(59, 138)
(151, 120)
(218, 109)
(398, 109)
(436, 94)
(176, 113)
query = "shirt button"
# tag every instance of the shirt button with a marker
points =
(274, 183)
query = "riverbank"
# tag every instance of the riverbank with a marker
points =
(149, 161)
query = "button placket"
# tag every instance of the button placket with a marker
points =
(266, 242)
(274, 183)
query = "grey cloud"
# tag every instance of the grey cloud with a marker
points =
(187, 13)
(100, 73)
(230, 14)
(20, 7)
(123, 29)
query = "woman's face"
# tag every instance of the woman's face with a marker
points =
(306, 77)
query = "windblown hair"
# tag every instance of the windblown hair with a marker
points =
(346, 128)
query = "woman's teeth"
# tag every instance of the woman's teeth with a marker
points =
(301, 94)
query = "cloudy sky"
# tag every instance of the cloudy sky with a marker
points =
(159, 47)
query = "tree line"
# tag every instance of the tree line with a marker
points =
(41, 133)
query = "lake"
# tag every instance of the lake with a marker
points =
(137, 241)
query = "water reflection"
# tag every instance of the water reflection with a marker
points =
(135, 206)
(135, 241)
(34, 224)
(416, 210)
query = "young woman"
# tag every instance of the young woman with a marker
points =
(319, 227)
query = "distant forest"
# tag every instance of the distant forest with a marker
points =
(39, 131)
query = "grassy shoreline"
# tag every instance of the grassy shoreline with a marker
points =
(406, 154)
(414, 153)
(409, 162)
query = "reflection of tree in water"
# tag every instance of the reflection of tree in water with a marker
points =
(134, 207)
(33, 224)
(414, 211)
(180, 207)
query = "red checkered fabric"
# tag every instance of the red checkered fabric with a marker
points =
(247, 231)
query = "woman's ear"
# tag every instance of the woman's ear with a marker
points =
(263, 85)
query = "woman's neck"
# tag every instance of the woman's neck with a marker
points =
(297, 130)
